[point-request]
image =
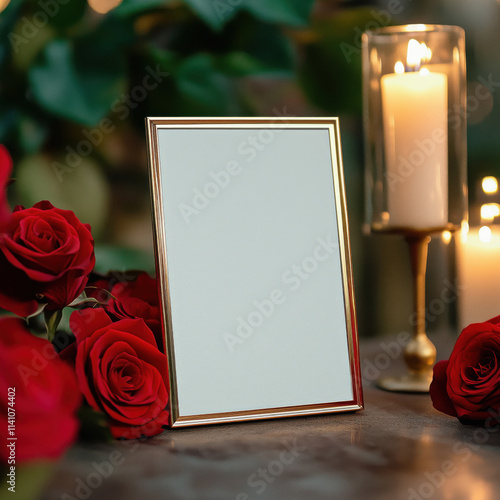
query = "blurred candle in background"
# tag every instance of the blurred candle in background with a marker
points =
(478, 262)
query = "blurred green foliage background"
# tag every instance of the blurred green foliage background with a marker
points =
(74, 94)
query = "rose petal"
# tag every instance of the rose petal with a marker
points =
(23, 308)
(5, 172)
(47, 394)
(121, 372)
(85, 323)
(438, 390)
(149, 429)
(46, 255)
(68, 354)
(494, 321)
(65, 290)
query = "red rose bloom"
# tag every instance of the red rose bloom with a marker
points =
(132, 294)
(138, 299)
(5, 171)
(46, 255)
(467, 386)
(43, 392)
(121, 372)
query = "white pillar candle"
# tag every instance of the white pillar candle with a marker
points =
(415, 116)
(478, 272)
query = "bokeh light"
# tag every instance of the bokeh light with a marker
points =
(490, 210)
(103, 6)
(3, 4)
(489, 184)
(485, 234)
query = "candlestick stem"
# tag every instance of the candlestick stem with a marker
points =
(418, 257)
(420, 353)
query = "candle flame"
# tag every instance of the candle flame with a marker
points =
(426, 52)
(446, 237)
(417, 54)
(413, 53)
(489, 185)
(399, 68)
(485, 234)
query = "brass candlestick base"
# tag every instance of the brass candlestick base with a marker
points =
(420, 353)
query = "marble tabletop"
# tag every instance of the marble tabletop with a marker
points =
(398, 447)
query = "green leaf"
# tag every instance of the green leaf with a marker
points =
(167, 60)
(132, 7)
(82, 299)
(266, 44)
(111, 258)
(241, 64)
(330, 71)
(60, 86)
(215, 13)
(79, 80)
(204, 91)
(289, 12)
(26, 50)
(52, 320)
(40, 309)
(67, 15)
(102, 291)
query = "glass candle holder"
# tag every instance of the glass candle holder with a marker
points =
(414, 90)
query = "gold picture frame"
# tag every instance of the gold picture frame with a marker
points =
(249, 214)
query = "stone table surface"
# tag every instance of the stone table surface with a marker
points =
(398, 447)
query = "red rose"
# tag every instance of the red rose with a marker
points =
(46, 255)
(121, 372)
(5, 171)
(39, 391)
(138, 299)
(130, 295)
(467, 386)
